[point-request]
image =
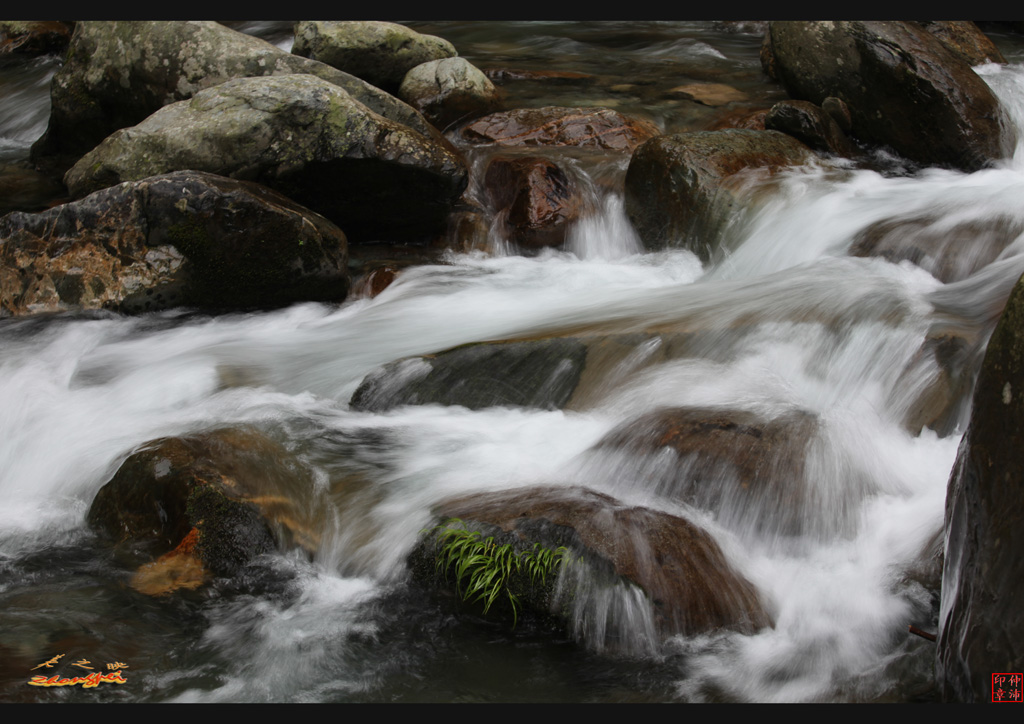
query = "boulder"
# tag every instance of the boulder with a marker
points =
(810, 125)
(186, 238)
(681, 189)
(448, 91)
(688, 584)
(117, 73)
(600, 128)
(380, 53)
(981, 631)
(747, 469)
(214, 501)
(537, 373)
(538, 200)
(904, 88)
(302, 136)
(34, 37)
(966, 40)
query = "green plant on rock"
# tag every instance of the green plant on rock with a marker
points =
(484, 569)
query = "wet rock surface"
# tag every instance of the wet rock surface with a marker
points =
(185, 238)
(682, 188)
(904, 88)
(541, 373)
(538, 198)
(689, 584)
(599, 128)
(980, 627)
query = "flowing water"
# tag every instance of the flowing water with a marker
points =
(787, 320)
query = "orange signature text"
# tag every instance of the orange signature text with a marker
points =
(87, 682)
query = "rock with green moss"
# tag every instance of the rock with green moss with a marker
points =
(185, 238)
(670, 572)
(379, 52)
(119, 72)
(302, 136)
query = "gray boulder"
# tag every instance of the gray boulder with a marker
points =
(378, 52)
(904, 88)
(116, 73)
(448, 90)
(187, 238)
(300, 135)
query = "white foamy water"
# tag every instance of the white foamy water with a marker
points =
(787, 321)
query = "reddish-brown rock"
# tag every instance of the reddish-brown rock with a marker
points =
(557, 126)
(690, 584)
(539, 199)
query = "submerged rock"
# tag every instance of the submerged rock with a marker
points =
(117, 73)
(212, 501)
(681, 189)
(600, 128)
(302, 136)
(948, 252)
(379, 52)
(981, 631)
(540, 373)
(185, 238)
(687, 583)
(904, 88)
(748, 469)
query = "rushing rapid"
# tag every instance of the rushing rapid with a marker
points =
(786, 321)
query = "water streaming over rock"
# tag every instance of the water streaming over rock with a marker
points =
(874, 358)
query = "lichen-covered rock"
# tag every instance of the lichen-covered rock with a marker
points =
(228, 489)
(302, 136)
(34, 37)
(537, 200)
(688, 584)
(117, 73)
(904, 88)
(380, 53)
(981, 631)
(448, 91)
(600, 128)
(186, 238)
(681, 189)
(538, 373)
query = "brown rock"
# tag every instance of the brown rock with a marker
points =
(682, 189)
(182, 238)
(540, 199)
(690, 584)
(810, 125)
(966, 40)
(554, 126)
(747, 469)
(741, 119)
(708, 94)
(34, 37)
(232, 486)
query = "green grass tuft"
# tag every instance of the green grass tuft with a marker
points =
(483, 569)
